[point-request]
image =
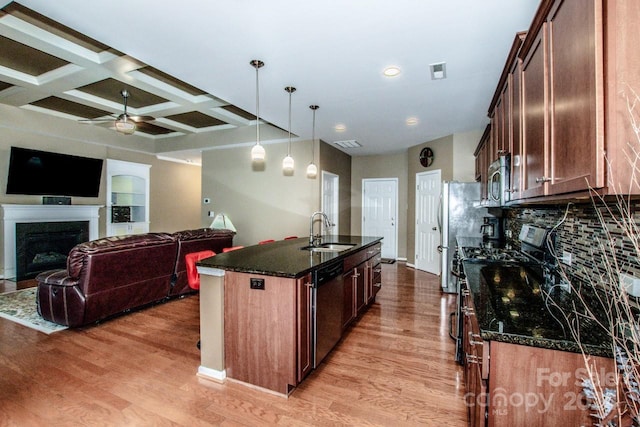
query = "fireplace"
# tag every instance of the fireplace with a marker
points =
(53, 216)
(42, 246)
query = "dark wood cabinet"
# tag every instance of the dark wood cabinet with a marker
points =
(503, 135)
(552, 384)
(475, 363)
(350, 309)
(575, 96)
(534, 118)
(562, 109)
(360, 284)
(362, 281)
(515, 88)
(482, 154)
(304, 287)
(499, 376)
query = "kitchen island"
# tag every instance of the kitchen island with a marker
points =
(257, 306)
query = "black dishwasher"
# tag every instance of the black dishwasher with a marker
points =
(328, 295)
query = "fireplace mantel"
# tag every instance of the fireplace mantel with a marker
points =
(13, 214)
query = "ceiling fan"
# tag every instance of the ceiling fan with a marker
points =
(124, 123)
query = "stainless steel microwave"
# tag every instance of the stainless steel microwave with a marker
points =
(498, 193)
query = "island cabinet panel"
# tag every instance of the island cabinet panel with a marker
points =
(305, 323)
(362, 280)
(260, 331)
(350, 309)
(539, 387)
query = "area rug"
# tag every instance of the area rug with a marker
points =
(20, 307)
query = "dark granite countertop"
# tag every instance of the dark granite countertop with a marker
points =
(285, 258)
(513, 306)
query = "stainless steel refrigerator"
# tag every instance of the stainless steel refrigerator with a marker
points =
(459, 216)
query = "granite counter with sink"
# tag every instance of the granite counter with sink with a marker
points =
(289, 258)
(513, 306)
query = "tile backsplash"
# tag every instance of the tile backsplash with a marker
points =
(596, 236)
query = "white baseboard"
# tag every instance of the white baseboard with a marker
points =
(212, 374)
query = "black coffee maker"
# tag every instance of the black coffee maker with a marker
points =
(490, 228)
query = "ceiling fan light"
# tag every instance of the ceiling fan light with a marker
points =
(312, 170)
(126, 127)
(257, 153)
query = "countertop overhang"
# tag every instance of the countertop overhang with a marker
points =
(285, 258)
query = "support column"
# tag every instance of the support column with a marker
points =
(212, 324)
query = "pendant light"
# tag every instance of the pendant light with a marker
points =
(287, 162)
(312, 169)
(257, 152)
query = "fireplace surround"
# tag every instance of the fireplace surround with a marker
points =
(22, 214)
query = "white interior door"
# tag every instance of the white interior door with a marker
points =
(380, 213)
(330, 198)
(428, 188)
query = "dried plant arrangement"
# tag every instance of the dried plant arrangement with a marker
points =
(601, 298)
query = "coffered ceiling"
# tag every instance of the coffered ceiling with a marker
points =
(187, 66)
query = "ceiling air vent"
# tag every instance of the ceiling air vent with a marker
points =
(349, 143)
(438, 71)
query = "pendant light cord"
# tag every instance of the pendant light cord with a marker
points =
(290, 90)
(257, 106)
(313, 132)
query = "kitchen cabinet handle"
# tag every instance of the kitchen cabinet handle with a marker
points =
(309, 285)
(451, 319)
(543, 179)
(472, 341)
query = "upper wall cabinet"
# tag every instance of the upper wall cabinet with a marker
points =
(482, 155)
(563, 103)
(127, 198)
(566, 122)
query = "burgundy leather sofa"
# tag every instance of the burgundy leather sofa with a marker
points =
(112, 275)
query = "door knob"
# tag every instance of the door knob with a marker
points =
(434, 228)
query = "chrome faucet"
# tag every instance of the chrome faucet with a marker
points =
(327, 223)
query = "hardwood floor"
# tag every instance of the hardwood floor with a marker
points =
(394, 367)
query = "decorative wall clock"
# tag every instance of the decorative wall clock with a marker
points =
(426, 157)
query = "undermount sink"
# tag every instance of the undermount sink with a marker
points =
(329, 247)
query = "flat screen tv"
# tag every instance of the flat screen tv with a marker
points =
(43, 173)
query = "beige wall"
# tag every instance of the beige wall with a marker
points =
(453, 155)
(174, 193)
(337, 162)
(387, 166)
(266, 204)
(464, 162)
(174, 188)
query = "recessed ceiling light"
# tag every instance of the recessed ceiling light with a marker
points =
(391, 71)
(411, 121)
(340, 127)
